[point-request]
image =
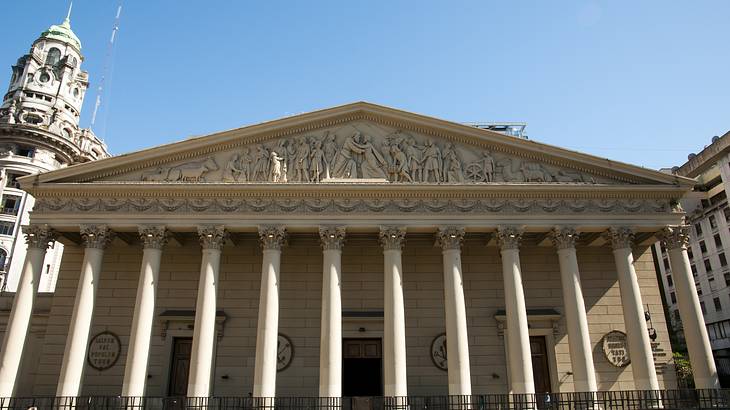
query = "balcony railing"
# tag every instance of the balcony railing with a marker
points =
(608, 400)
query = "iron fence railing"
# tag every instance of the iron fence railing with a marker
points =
(605, 400)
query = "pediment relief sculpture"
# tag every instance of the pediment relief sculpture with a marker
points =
(349, 154)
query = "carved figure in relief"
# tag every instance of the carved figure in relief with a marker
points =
(330, 150)
(372, 166)
(231, 171)
(413, 153)
(511, 171)
(261, 165)
(194, 172)
(488, 167)
(318, 161)
(535, 172)
(345, 165)
(563, 175)
(11, 112)
(301, 161)
(244, 166)
(159, 175)
(278, 167)
(452, 166)
(432, 162)
(400, 164)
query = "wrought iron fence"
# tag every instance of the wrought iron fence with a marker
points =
(608, 400)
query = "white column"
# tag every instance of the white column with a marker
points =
(264, 383)
(579, 340)
(518, 334)
(330, 341)
(38, 238)
(642, 360)
(457, 354)
(96, 238)
(212, 239)
(135, 370)
(394, 332)
(695, 333)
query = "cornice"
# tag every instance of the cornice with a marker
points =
(397, 119)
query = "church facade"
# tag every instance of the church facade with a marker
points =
(354, 251)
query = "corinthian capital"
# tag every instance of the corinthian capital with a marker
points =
(674, 237)
(450, 237)
(509, 237)
(332, 237)
(153, 236)
(96, 236)
(39, 236)
(212, 236)
(272, 236)
(620, 237)
(392, 237)
(564, 237)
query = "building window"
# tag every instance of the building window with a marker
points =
(713, 222)
(708, 265)
(3, 259)
(23, 151)
(694, 269)
(713, 286)
(718, 305)
(699, 289)
(673, 297)
(690, 255)
(670, 282)
(54, 56)
(6, 228)
(704, 309)
(10, 204)
(666, 264)
(11, 180)
(703, 247)
(718, 241)
(698, 229)
(723, 259)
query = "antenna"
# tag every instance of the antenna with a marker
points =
(107, 71)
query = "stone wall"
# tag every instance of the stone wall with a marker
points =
(362, 289)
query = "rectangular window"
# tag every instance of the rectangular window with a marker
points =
(673, 297)
(699, 289)
(670, 282)
(694, 270)
(704, 309)
(718, 242)
(713, 222)
(723, 259)
(690, 254)
(703, 247)
(718, 305)
(726, 212)
(708, 265)
(713, 286)
(6, 228)
(11, 181)
(666, 264)
(698, 229)
(10, 204)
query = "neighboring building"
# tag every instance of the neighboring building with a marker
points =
(708, 215)
(334, 252)
(39, 132)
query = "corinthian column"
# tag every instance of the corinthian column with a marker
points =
(394, 332)
(581, 354)
(212, 239)
(698, 343)
(457, 354)
(642, 360)
(96, 238)
(135, 370)
(264, 383)
(330, 341)
(38, 238)
(518, 334)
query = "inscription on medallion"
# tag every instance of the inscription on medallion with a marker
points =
(616, 348)
(104, 350)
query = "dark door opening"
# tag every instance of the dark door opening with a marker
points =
(540, 370)
(180, 366)
(362, 367)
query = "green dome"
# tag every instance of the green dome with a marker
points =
(63, 33)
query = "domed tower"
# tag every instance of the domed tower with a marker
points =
(39, 131)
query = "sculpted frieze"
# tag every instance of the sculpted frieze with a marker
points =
(362, 152)
(268, 205)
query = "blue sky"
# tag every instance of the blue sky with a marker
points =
(644, 82)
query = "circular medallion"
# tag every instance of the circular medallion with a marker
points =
(438, 352)
(104, 350)
(284, 352)
(616, 348)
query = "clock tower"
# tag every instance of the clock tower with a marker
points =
(39, 131)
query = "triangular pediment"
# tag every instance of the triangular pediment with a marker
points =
(358, 143)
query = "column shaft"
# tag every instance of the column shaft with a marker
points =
(330, 345)
(268, 321)
(642, 360)
(135, 370)
(17, 330)
(77, 341)
(695, 332)
(394, 332)
(457, 353)
(581, 354)
(202, 355)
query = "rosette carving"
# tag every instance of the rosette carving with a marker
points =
(332, 237)
(392, 237)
